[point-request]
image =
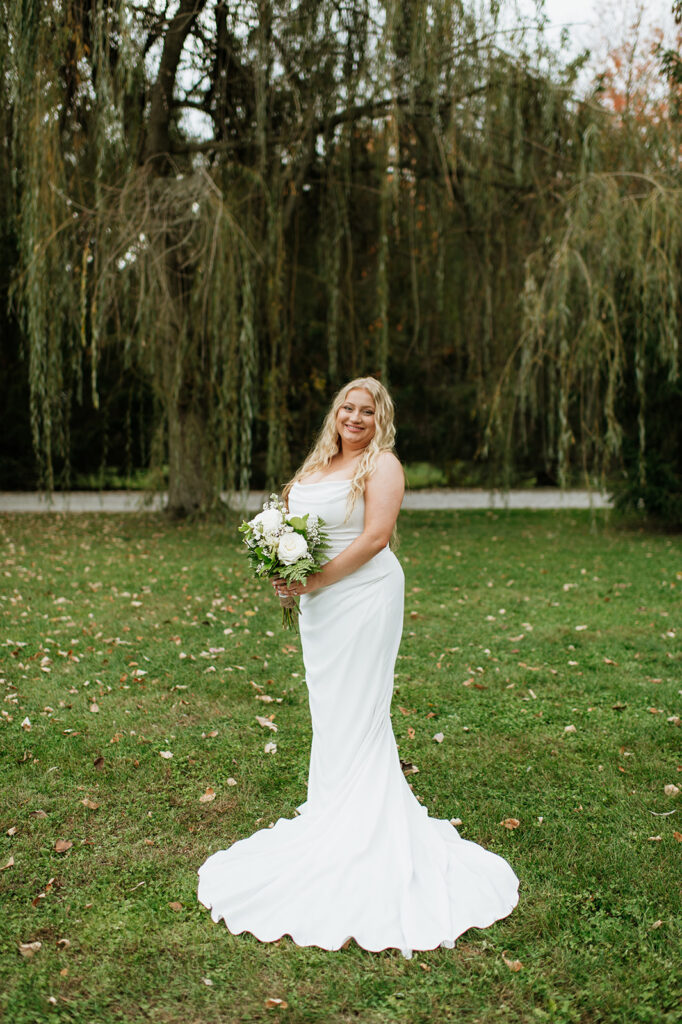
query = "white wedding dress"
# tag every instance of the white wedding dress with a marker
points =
(362, 860)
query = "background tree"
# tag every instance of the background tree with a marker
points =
(241, 205)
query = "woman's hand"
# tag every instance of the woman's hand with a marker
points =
(285, 591)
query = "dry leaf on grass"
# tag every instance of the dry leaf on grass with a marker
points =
(266, 723)
(166, 754)
(408, 768)
(510, 823)
(208, 796)
(26, 724)
(12, 831)
(231, 782)
(270, 748)
(439, 737)
(90, 804)
(513, 965)
(570, 728)
(63, 943)
(410, 732)
(27, 949)
(62, 845)
(175, 906)
(9, 864)
(273, 1004)
(677, 836)
(671, 789)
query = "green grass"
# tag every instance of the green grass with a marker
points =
(491, 651)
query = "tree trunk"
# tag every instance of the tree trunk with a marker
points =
(190, 472)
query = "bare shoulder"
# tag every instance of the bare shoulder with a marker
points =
(388, 473)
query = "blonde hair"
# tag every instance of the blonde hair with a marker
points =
(328, 443)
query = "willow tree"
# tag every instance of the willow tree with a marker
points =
(596, 363)
(199, 183)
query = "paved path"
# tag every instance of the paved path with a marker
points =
(134, 501)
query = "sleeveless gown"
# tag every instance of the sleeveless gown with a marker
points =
(363, 859)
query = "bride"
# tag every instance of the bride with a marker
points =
(363, 859)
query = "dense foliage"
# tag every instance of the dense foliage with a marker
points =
(222, 211)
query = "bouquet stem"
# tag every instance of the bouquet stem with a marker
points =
(290, 612)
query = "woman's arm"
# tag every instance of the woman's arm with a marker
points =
(383, 496)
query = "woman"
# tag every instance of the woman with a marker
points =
(363, 860)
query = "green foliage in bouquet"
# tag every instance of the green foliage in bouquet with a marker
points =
(285, 546)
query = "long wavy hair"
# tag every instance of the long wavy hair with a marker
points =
(328, 442)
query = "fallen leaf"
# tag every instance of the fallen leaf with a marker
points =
(207, 981)
(166, 754)
(90, 804)
(410, 732)
(94, 708)
(62, 845)
(408, 768)
(38, 814)
(27, 949)
(618, 706)
(270, 748)
(570, 728)
(610, 661)
(677, 836)
(98, 762)
(12, 831)
(655, 839)
(175, 906)
(455, 821)
(671, 789)
(405, 711)
(657, 924)
(206, 797)
(513, 965)
(26, 724)
(439, 737)
(271, 1004)
(266, 723)
(424, 967)
(510, 823)
(9, 864)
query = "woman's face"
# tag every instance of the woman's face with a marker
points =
(355, 420)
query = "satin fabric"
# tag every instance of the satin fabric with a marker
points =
(363, 859)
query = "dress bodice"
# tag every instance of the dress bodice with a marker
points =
(328, 499)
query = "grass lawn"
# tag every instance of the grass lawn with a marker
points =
(544, 647)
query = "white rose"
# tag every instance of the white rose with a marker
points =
(291, 548)
(269, 520)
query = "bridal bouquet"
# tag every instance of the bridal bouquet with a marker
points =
(287, 546)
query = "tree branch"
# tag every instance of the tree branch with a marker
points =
(158, 143)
